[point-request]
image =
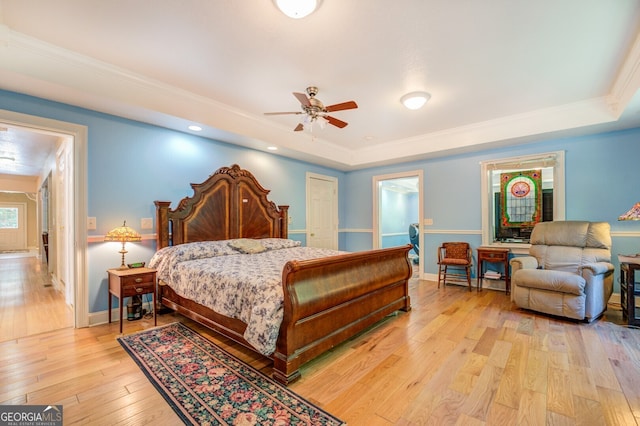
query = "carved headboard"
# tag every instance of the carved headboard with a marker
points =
(229, 204)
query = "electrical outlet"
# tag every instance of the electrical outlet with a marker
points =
(91, 223)
(146, 223)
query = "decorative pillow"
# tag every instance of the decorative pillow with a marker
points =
(279, 243)
(247, 245)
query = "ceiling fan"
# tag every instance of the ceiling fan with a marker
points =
(315, 110)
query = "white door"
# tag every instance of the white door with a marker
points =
(64, 218)
(322, 211)
(13, 226)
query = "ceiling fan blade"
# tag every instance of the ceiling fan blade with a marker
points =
(302, 98)
(342, 106)
(282, 113)
(299, 127)
(335, 121)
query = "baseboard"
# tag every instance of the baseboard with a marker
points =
(102, 317)
(615, 299)
(487, 284)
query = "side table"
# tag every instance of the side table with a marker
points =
(130, 282)
(628, 292)
(493, 255)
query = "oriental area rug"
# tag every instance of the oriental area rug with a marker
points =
(205, 385)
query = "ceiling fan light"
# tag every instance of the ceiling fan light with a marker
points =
(297, 9)
(415, 100)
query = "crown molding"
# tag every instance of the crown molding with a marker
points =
(627, 82)
(38, 68)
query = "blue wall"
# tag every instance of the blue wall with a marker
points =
(159, 164)
(155, 163)
(601, 182)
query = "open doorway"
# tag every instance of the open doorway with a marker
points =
(397, 207)
(65, 177)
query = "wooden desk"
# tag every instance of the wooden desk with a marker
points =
(628, 292)
(130, 282)
(493, 255)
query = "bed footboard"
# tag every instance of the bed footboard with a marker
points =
(329, 300)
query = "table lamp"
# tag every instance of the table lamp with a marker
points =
(632, 214)
(122, 234)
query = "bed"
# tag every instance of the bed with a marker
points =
(325, 300)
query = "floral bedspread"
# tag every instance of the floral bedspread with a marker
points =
(235, 284)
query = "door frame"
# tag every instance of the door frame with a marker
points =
(334, 212)
(377, 207)
(78, 215)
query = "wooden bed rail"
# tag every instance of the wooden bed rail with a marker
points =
(357, 290)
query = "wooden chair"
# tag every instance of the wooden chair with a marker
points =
(455, 255)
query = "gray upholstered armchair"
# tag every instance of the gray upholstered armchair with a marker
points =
(569, 271)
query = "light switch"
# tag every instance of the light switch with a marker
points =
(91, 223)
(146, 223)
(428, 221)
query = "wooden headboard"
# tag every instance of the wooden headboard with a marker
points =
(229, 204)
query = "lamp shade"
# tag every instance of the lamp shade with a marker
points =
(122, 234)
(632, 214)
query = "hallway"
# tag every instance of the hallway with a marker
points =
(29, 304)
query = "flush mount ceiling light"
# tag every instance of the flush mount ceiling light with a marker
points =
(297, 9)
(415, 100)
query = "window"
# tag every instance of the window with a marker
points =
(8, 218)
(519, 192)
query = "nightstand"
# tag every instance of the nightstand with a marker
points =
(130, 282)
(629, 292)
(493, 255)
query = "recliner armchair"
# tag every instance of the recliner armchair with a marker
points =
(569, 271)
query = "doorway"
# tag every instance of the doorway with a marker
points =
(397, 212)
(68, 208)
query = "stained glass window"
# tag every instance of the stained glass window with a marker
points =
(519, 192)
(521, 198)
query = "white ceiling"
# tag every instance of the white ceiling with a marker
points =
(23, 151)
(499, 71)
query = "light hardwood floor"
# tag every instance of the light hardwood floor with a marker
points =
(458, 357)
(29, 303)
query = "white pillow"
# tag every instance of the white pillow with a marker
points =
(247, 246)
(279, 243)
